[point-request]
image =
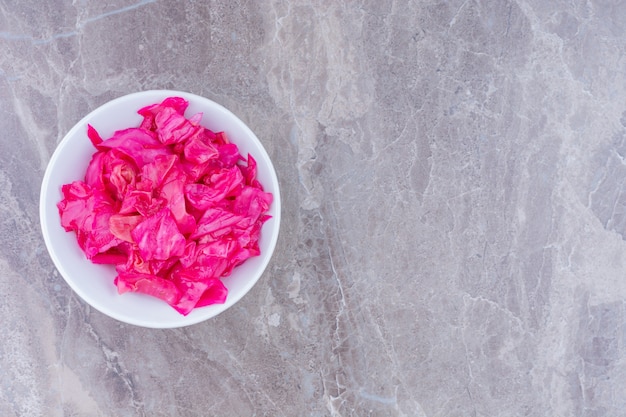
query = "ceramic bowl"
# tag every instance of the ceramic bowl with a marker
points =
(94, 283)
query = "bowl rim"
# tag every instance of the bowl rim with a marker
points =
(45, 191)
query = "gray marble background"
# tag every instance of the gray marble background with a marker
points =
(454, 224)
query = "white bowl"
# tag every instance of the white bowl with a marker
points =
(94, 283)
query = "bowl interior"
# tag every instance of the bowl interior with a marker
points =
(94, 283)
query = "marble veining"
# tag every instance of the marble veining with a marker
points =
(454, 225)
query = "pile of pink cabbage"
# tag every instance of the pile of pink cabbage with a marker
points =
(171, 204)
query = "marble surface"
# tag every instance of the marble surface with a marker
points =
(454, 221)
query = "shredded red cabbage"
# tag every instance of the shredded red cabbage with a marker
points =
(173, 205)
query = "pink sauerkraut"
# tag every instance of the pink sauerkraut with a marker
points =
(173, 205)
